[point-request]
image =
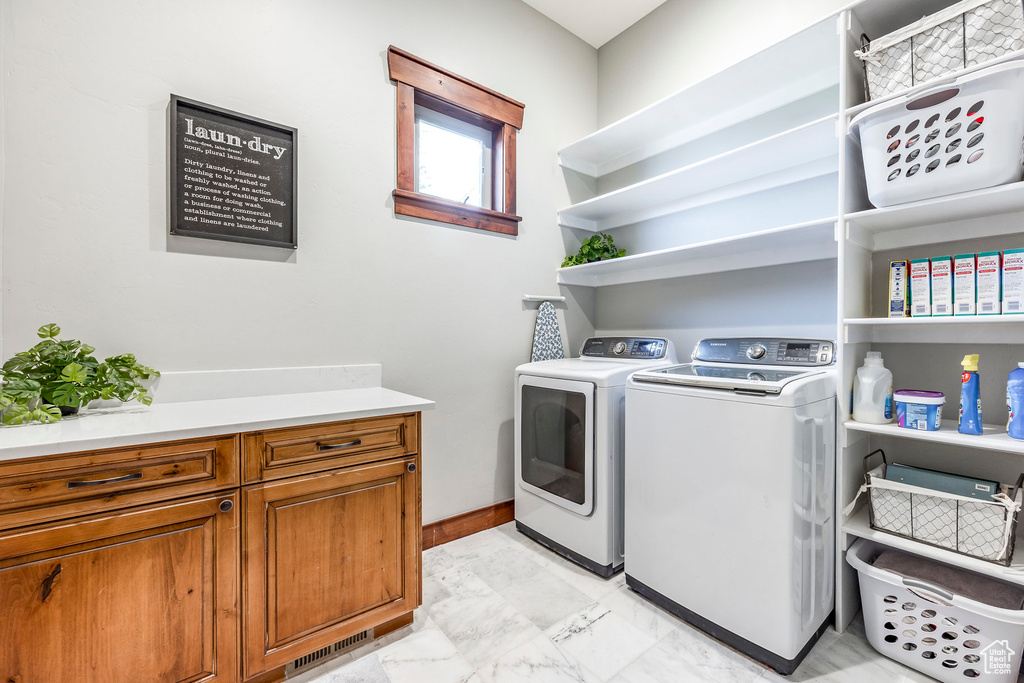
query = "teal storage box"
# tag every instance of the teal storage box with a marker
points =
(942, 481)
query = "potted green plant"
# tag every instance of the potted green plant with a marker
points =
(57, 377)
(595, 248)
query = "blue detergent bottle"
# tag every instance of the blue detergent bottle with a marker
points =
(970, 396)
(1015, 402)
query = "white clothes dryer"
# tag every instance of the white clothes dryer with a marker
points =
(569, 444)
(730, 474)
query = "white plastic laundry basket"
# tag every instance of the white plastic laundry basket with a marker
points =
(955, 136)
(946, 636)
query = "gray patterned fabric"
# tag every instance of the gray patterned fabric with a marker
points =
(547, 337)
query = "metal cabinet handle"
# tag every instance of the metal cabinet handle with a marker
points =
(226, 505)
(98, 482)
(411, 467)
(331, 447)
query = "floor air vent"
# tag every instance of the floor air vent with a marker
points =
(325, 653)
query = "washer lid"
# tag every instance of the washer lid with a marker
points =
(756, 379)
(602, 372)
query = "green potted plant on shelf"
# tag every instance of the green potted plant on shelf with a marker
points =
(57, 377)
(596, 248)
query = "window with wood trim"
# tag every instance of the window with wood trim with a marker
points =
(456, 147)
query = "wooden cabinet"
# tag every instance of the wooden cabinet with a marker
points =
(141, 594)
(154, 563)
(327, 556)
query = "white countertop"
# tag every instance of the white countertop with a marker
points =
(134, 424)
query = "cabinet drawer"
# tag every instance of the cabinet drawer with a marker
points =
(277, 453)
(39, 489)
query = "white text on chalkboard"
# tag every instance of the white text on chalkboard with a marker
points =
(256, 144)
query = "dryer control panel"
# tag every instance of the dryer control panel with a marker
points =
(645, 348)
(766, 351)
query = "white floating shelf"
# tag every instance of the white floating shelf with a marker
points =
(977, 329)
(808, 151)
(810, 241)
(859, 525)
(739, 93)
(934, 220)
(993, 438)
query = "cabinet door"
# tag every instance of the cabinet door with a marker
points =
(145, 594)
(327, 556)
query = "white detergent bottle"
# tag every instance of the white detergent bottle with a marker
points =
(872, 391)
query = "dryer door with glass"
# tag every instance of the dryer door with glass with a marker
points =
(555, 441)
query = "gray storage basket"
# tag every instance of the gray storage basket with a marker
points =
(969, 33)
(982, 529)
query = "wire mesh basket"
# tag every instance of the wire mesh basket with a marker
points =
(963, 35)
(973, 527)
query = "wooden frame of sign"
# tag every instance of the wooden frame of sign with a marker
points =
(233, 177)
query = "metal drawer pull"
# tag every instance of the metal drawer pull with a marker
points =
(98, 482)
(322, 447)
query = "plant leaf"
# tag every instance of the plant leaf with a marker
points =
(74, 373)
(48, 331)
(23, 388)
(46, 413)
(16, 415)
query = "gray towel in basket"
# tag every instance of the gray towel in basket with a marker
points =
(957, 581)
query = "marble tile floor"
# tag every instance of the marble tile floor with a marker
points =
(499, 608)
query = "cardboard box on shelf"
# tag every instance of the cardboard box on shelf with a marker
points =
(920, 288)
(899, 291)
(942, 285)
(990, 277)
(1013, 281)
(965, 284)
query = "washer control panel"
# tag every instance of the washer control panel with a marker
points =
(766, 351)
(646, 348)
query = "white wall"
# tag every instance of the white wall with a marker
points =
(796, 300)
(684, 41)
(85, 227)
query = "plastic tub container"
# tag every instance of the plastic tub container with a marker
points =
(920, 410)
(947, 636)
(959, 135)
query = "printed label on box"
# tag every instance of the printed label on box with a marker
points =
(989, 279)
(965, 294)
(920, 288)
(899, 292)
(1013, 281)
(942, 285)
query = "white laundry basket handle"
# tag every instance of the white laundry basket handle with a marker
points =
(929, 592)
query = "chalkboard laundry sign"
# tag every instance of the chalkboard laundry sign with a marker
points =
(232, 176)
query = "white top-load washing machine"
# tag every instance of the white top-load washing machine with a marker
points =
(569, 444)
(730, 466)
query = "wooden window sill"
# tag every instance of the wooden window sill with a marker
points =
(436, 209)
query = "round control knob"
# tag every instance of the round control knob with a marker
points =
(619, 348)
(756, 352)
(756, 377)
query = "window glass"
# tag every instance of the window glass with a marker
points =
(452, 159)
